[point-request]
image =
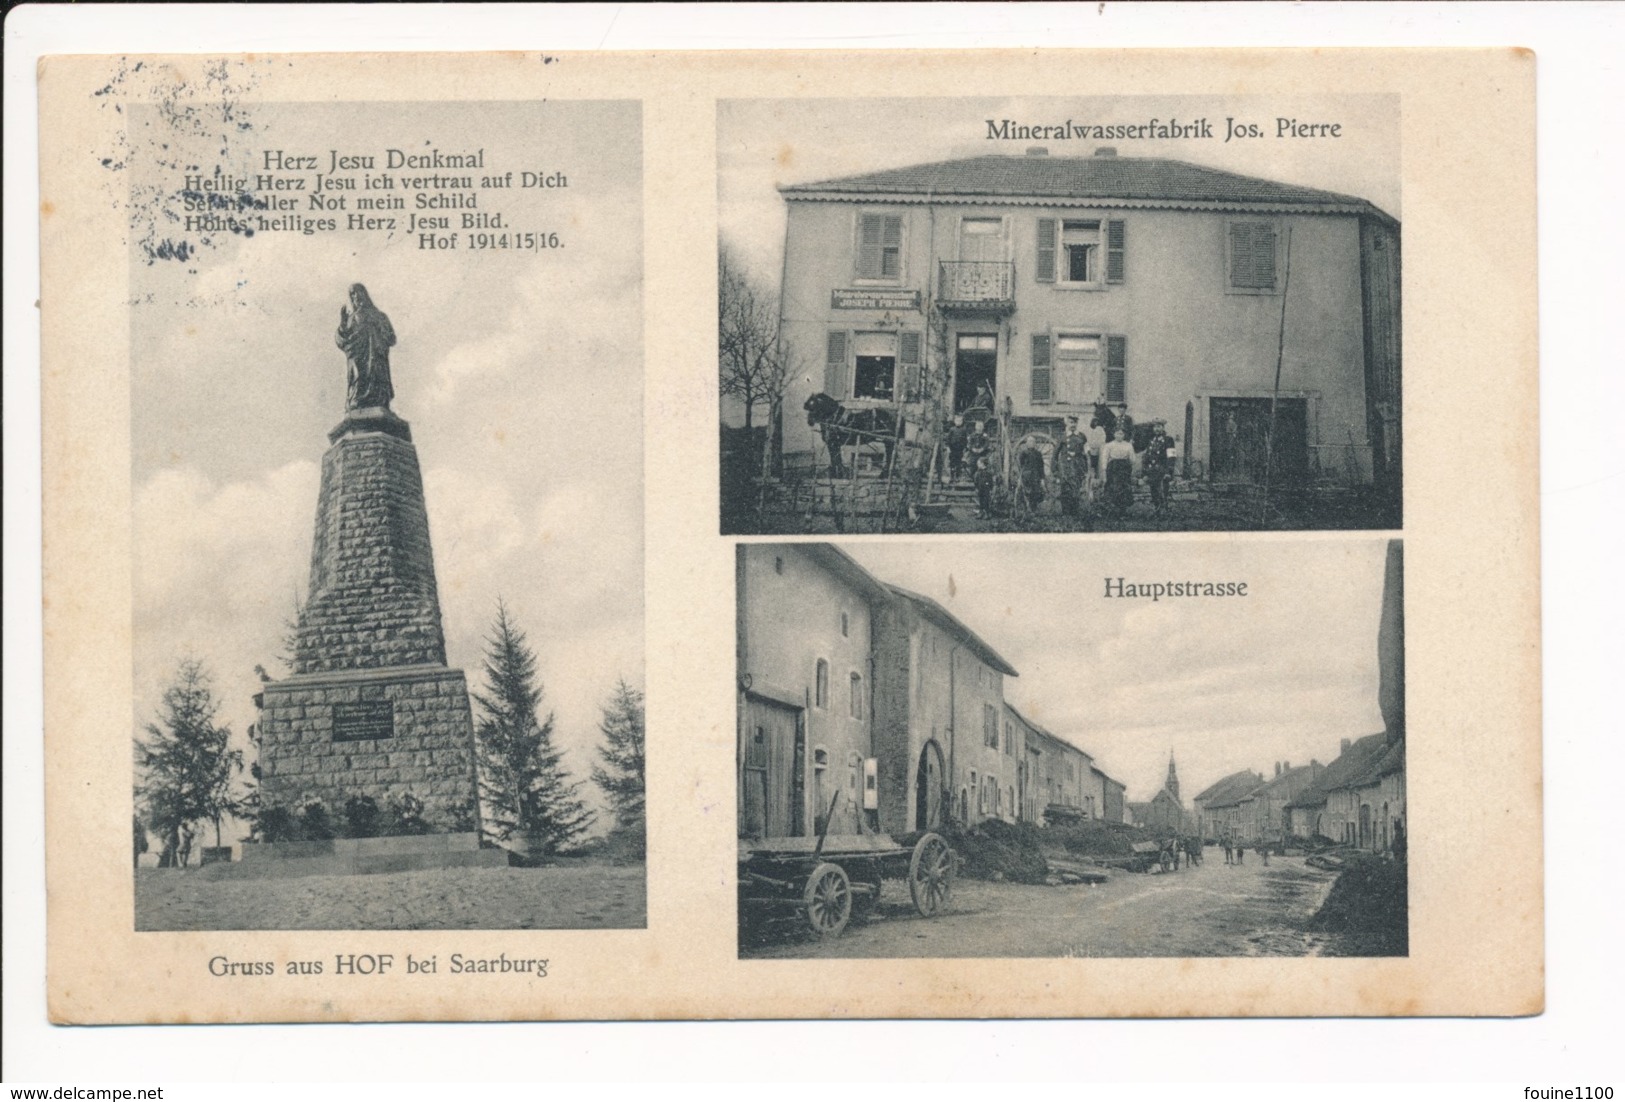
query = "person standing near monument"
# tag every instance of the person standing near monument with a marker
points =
(365, 336)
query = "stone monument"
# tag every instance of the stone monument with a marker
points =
(371, 708)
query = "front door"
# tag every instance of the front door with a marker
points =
(976, 361)
(928, 789)
(771, 776)
(1238, 429)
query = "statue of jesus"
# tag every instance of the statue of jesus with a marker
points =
(365, 335)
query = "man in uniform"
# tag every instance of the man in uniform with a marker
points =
(1071, 467)
(1157, 463)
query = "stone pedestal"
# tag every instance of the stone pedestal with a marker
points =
(371, 709)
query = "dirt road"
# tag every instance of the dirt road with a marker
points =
(1212, 910)
(554, 898)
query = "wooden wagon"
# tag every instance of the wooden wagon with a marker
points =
(832, 879)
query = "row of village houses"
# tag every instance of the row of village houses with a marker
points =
(865, 707)
(1356, 800)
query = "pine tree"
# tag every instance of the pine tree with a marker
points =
(187, 772)
(621, 774)
(523, 784)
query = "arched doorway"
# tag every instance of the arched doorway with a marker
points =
(928, 788)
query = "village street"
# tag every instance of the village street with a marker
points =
(1207, 911)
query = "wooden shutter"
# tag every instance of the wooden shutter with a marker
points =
(1046, 251)
(1042, 373)
(835, 364)
(908, 362)
(1252, 255)
(1116, 250)
(870, 231)
(891, 246)
(1116, 369)
(1263, 255)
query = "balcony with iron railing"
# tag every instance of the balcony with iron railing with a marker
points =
(976, 286)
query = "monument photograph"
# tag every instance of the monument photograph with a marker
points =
(388, 613)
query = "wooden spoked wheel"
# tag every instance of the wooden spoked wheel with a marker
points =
(828, 900)
(931, 874)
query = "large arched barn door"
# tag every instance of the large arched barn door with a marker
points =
(928, 789)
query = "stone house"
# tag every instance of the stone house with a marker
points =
(1161, 812)
(1113, 802)
(1266, 807)
(1030, 288)
(805, 615)
(940, 719)
(1218, 808)
(1058, 786)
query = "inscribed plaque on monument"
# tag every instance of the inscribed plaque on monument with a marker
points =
(1045, 612)
(369, 720)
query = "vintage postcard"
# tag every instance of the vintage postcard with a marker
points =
(569, 536)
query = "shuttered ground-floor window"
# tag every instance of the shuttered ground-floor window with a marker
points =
(871, 364)
(1078, 368)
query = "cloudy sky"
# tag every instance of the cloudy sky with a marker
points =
(521, 375)
(762, 144)
(1239, 683)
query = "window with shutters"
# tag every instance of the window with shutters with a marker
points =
(880, 248)
(1251, 249)
(821, 685)
(990, 726)
(881, 363)
(1081, 253)
(1077, 367)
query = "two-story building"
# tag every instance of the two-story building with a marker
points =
(1031, 288)
(805, 617)
(940, 718)
(1218, 807)
(1057, 782)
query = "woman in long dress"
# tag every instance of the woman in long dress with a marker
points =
(1118, 460)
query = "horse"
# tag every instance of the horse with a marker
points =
(842, 427)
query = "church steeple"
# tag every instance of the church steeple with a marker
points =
(1172, 784)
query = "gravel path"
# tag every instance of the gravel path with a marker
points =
(1212, 910)
(571, 897)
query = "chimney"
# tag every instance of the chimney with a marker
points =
(1277, 769)
(1286, 767)
(1344, 748)
(1037, 151)
(1106, 151)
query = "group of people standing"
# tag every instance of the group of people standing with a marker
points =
(1097, 464)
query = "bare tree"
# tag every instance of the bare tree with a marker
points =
(755, 366)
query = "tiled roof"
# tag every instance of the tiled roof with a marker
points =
(1231, 790)
(951, 623)
(1350, 769)
(1145, 179)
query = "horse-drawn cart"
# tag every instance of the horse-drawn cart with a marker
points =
(830, 879)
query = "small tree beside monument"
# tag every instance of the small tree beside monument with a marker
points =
(527, 797)
(621, 770)
(187, 772)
